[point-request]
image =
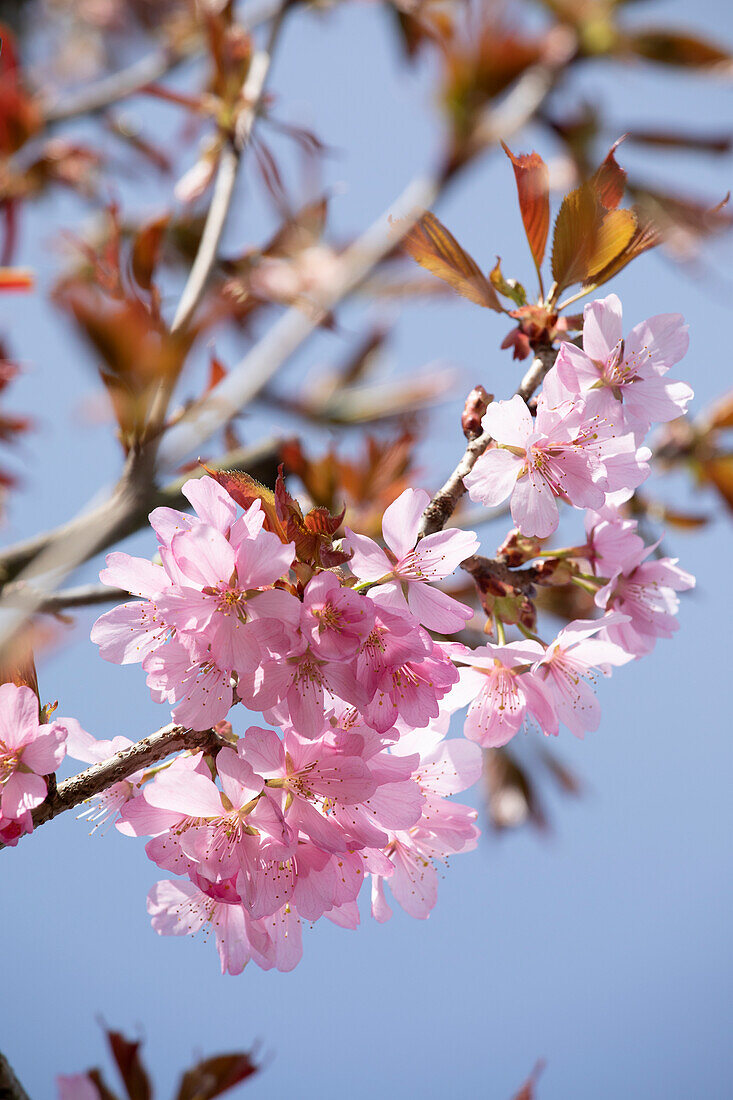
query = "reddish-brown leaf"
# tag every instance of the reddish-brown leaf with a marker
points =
(646, 235)
(672, 48)
(609, 179)
(533, 190)
(527, 1091)
(16, 278)
(679, 139)
(132, 1071)
(217, 371)
(432, 246)
(215, 1076)
(576, 227)
(146, 250)
(245, 490)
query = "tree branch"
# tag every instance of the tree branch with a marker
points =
(260, 461)
(10, 1086)
(216, 216)
(99, 777)
(480, 568)
(443, 504)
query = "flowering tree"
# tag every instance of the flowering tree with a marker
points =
(311, 623)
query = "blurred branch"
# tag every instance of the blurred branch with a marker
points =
(216, 216)
(99, 777)
(84, 595)
(443, 504)
(135, 77)
(260, 461)
(10, 1086)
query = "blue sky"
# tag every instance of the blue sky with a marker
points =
(603, 948)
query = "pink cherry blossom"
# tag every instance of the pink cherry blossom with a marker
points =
(184, 907)
(444, 828)
(403, 571)
(612, 541)
(627, 376)
(536, 462)
(502, 691)
(29, 751)
(570, 661)
(645, 594)
(335, 619)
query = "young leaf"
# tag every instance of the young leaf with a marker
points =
(533, 190)
(588, 239)
(432, 246)
(245, 489)
(646, 236)
(614, 234)
(146, 250)
(609, 179)
(574, 236)
(132, 1071)
(510, 288)
(215, 1076)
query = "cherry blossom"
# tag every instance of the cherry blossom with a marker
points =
(627, 377)
(645, 594)
(502, 691)
(29, 750)
(573, 658)
(401, 573)
(536, 462)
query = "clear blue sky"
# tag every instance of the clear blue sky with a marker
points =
(603, 948)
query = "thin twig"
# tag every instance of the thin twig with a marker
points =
(221, 201)
(443, 504)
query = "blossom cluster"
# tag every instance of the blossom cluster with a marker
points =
(343, 654)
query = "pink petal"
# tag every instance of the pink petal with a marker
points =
(437, 610)
(264, 751)
(212, 503)
(509, 421)
(493, 477)
(204, 555)
(263, 560)
(135, 575)
(18, 715)
(401, 520)
(186, 793)
(534, 507)
(414, 883)
(602, 327)
(368, 561)
(20, 793)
